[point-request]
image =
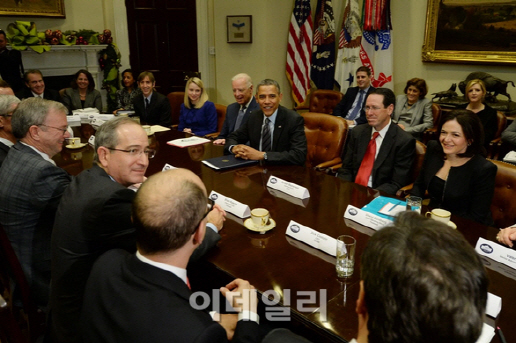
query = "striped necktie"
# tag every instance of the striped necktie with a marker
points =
(266, 136)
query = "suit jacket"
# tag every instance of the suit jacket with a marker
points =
(72, 100)
(421, 118)
(343, 107)
(48, 94)
(288, 141)
(142, 303)
(468, 190)
(11, 68)
(94, 216)
(158, 113)
(392, 165)
(4, 150)
(232, 114)
(30, 192)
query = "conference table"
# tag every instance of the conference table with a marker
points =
(319, 305)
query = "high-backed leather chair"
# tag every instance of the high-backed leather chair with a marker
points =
(325, 135)
(503, 206)
(175, 99)
(324, 100)
(430, 133)
(494, 145)
(416, 167)
(11, 265)
(221, 116)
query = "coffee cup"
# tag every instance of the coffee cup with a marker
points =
(147, 129)
(439, 215)
(260, 217)
(74, 141)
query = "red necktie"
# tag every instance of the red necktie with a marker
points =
(367, 162)
(188, 283)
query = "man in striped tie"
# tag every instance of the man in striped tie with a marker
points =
(275, 134)
(379, 155)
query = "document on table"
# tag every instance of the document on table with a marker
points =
(186, 142)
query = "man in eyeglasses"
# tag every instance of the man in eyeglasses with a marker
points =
(95, 216)
(32, 186)
(8, 104)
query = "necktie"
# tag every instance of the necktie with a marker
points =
(358, 107)
(188, 283)
(364, 172)
(239, 118)
(266, 136)
(146, 106)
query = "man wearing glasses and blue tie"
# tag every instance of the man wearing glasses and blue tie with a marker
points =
(95, 216)
(32, 186)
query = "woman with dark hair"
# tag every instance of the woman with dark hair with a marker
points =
(82, 93)
(413, 112)
(197, 115)
(455, 173)
(475, 94)
(129, 91)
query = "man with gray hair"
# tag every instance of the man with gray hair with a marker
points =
(95, 216)
(238, 112)
(32, 186)
(36, 87)
(8, 104)
(275, 134)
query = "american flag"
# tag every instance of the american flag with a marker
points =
(299, 50)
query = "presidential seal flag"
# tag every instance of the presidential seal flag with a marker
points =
(323, 50)
(299, 50)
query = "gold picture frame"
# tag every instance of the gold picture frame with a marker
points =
(443, 25)
(33, 8)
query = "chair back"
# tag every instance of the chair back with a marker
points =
(436, 117)
(418, 161)
(325, 135)
(324, 101)
(221, 115)
(10, 331)
(175, 99)
(503, 206)
(501, 121)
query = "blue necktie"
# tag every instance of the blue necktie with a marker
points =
(241, 113)
(358, 107)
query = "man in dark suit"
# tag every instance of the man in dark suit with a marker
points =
(8, 104)
(145, 297)
(11, 65)
(36, 87)
(351, 107)
(276, 134)
(153, 108)
(95, 216)
(238, 113)
(5, 89)
(32, 186)
(394, 153)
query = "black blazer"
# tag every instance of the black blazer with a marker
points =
(48, 94)
(343, 107)
(469, 189)
(4, 150)
(391, 169)
(158, 113)
(288, 141)
(138, 302)
(232, 114)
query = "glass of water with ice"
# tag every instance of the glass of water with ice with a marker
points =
(345, 256)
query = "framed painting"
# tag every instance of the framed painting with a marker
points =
(33, 8)
(470, 31)
(240, 28)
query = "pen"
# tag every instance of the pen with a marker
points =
(500, 333)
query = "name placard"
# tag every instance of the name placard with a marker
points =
(288, 187)
(496, 252)
(366, 218)
(313, 238)
(230, 205)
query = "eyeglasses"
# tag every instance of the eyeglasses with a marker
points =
(137, 152)
(209, 206)
(64, 131)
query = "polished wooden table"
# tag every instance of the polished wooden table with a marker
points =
(274, 261)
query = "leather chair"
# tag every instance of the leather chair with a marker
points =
(10, 331)
(221, 116)
(503, 206)
(175, 99)
(324, 101)
(325, 135)
(430, 133)
(414, 171)
(11, 265)
(494, 145)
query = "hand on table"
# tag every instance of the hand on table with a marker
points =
(187, 130)
(217, 216)
(241, 295)
(220, 141)
(507, 236)
(247, 153)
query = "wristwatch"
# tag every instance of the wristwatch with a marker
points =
(265, 156)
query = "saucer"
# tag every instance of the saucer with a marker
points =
(248, 223)
(81, 145)
(452, 225)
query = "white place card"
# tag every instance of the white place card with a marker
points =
(289, 198)
(494, 305)
(230, 205)
(91, 141)
(366, 218)
(73, 120)
(313, 238)
(496, 252)
(186, 142)
(288, 187)
(159, 128)
(486, 335)
(97, 122)
(315, 252)
(168, 167)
